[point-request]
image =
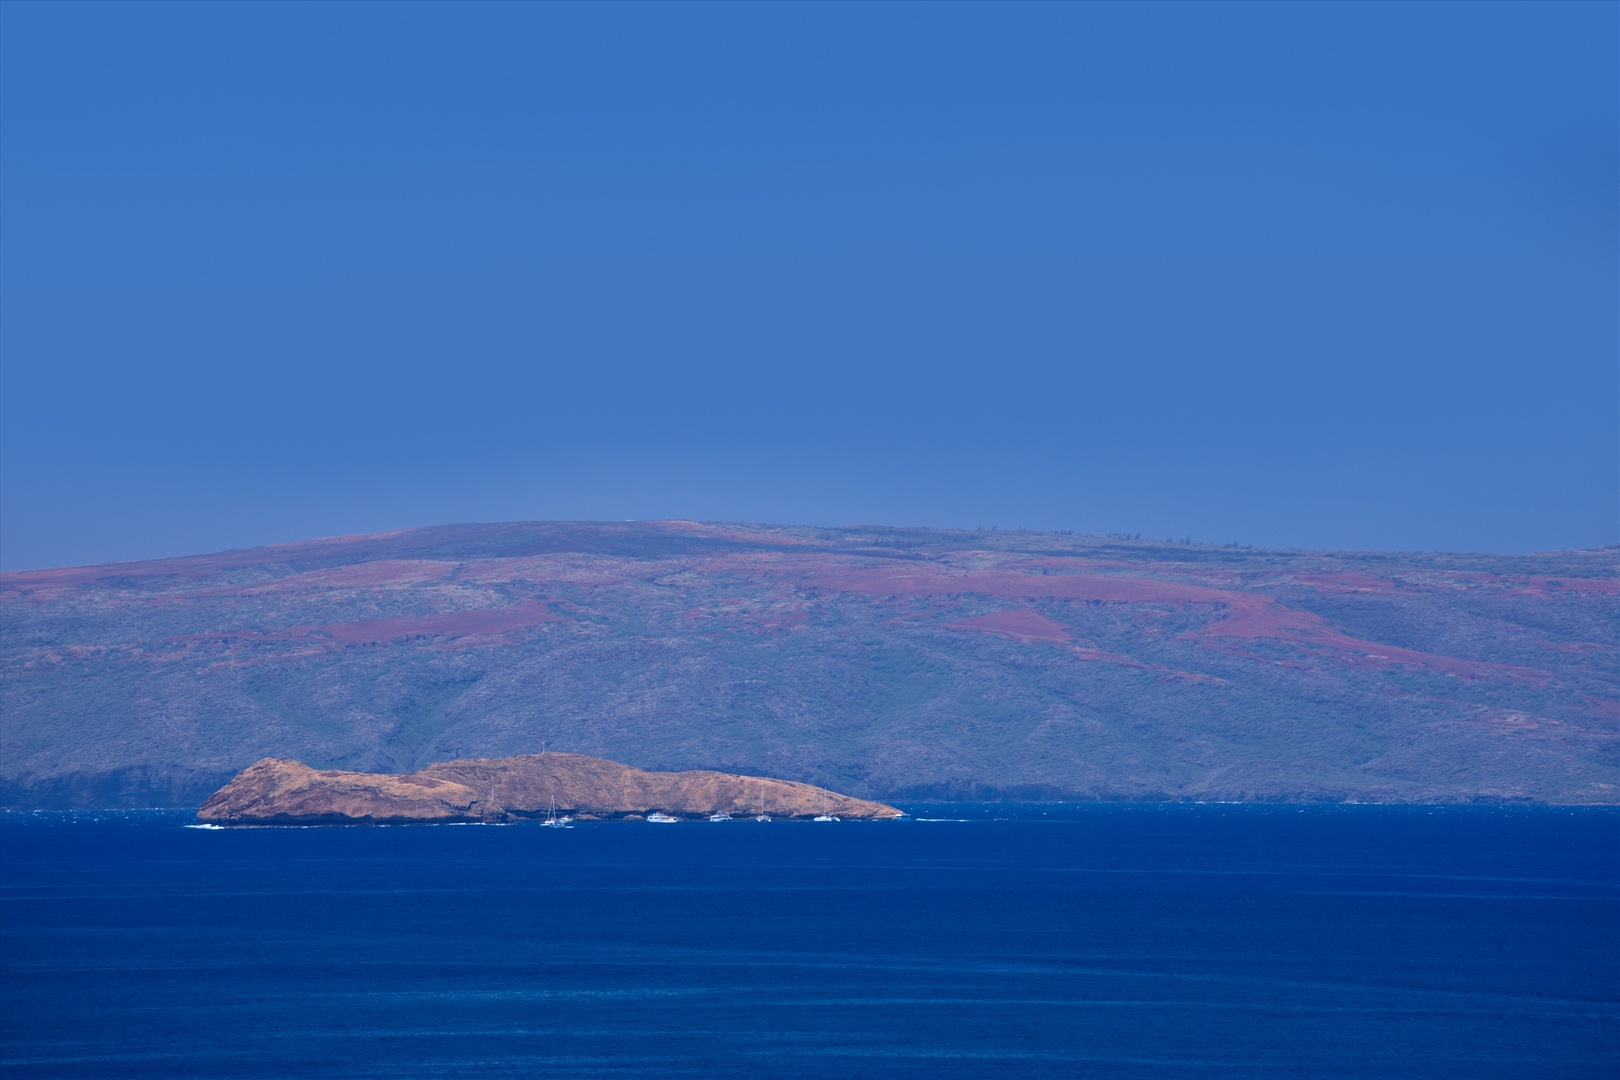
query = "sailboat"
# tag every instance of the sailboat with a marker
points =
(763, 816)
(825, 814)
(553, 820)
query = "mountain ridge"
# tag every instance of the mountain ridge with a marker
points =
(899, 663)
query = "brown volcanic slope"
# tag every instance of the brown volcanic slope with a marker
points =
(276, 792)
(889, 663)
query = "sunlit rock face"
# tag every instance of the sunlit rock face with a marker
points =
(281, 792)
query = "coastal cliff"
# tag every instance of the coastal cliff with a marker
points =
(276, 791)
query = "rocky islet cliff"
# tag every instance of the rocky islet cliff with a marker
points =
(277, 791)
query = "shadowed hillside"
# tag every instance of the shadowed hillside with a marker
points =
(887, 663)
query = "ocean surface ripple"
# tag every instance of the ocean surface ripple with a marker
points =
(1134, 941)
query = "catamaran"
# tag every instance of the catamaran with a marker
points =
(826, 814)
(763, 816)
(553, 820)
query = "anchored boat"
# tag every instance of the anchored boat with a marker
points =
(554, 821)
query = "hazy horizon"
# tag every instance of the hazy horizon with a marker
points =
(1134, 538)
(1330, 277)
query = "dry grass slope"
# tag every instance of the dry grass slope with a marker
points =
(888, 663)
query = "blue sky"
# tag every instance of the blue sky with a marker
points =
(1291, 275)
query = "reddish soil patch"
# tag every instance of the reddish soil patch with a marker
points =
(554, 569)
(916, 582)
(1020, 625)
(1247, 615)
(450, 624)
(1024, 625)
(1068, 564)
(1262, 617)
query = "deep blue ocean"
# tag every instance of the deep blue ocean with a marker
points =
(1070, 941)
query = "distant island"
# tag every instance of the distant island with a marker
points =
(892, 664)
(529, 787)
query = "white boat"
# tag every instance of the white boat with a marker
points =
(721, 816)
(825, 814)
(763, 816)
(555, 822)
(658, 817)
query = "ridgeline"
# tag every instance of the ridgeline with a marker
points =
(894, 664)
